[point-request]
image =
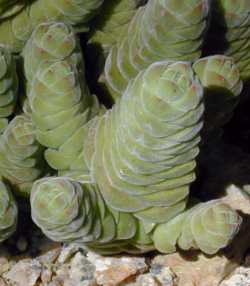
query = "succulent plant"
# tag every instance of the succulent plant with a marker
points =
(231, 24)
(63, 204)
(207, 226)
(59, 112)
(160, 30)
(141, 156)
(8, 212)
(16, 30)
(59, 100)
(112, 23)
(8, 86)
(70, 212)
(21, 160)
(50, 42)
(220, 77)
(123, 176)
(148, 162)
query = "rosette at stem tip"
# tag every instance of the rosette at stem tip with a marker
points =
(148, 162)
(68, 211)
(8, 212)
(16, 30)
(8, 86)
(208, 226)
(51, 41)
(220, 77)
(160, 30)
(21, 156)
(65, 210)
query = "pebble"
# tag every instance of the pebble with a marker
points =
(163, 274)
(24, 272)
(67, 252)
(158, 275)
(196, 269)
(49, 257)
(241, 277)
(82, 271)
(46, 275)
(146, 280)
(111, 271)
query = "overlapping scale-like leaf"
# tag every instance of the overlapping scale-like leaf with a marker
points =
(237, 25)
(67, 211)
(161, 30)
(112, 23)
(16, 30)
(8, 86)
(145, 147)
(59, 111)
(207, 226)
(8, 212)
(21, 156)
(51, 41)
(10, 7)
(220, 77)
(59, 100)
(141, 157)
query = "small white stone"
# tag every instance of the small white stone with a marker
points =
(82, 271)
(25, 272)
(67, 252)
(201, 271)
(146, 280)
(164, 275)
(46, 275)
(241, 277)
(116, 270)
(50, 256)
(62, 273)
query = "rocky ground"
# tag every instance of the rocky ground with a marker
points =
(69, 266)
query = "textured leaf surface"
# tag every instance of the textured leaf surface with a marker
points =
(220, 77)
(207, 226)
(16, 30)
(161, 30)
(21, 156)
(237, 21)
(145, 146)
(8, 212)
(59, 99)
(111, 24)
(10, 7)
(8, 86)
